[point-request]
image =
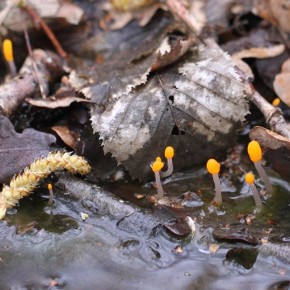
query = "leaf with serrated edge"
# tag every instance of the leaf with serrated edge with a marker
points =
(203, 98)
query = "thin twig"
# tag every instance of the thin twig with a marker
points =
(39, 22)
(273, 115)
(34, 67)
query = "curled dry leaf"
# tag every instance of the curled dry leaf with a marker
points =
(53, 103)
(275, 11)
(15, 19)
(277, 149)
(282, 83)
(196, 106)
(70, 135)
(19, 150)
(255, 45)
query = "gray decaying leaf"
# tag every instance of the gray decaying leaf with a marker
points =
(195, 106)
(127, 54)
(19, 150)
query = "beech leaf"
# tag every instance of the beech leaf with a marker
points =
(195, 106)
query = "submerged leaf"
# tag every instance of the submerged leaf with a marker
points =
(19, 150)
(195, 107)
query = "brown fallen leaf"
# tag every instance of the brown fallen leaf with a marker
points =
(282, 83)
(277, 149)
(276, 12)
(53, 102)
(17, 151)
(70, 136)
(190, 13)
(15, 19)
(256, 44)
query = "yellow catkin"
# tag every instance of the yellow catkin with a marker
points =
(23, 184)
(131, 5)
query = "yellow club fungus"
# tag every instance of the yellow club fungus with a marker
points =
(156, 167)
(8, 56)
(276, 102)
(255, 154)
(169, 154)
(250, 179)
(50, 190)
(213, 167)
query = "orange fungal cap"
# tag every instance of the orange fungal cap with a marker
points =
(169, 152)
(255, 151)
(157, 165)
(49, 186)
(213, 166)
(276, 102)
(250, 178)
(8, 50)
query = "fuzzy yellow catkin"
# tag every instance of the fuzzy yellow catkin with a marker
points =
(21, 185)
(131, 5)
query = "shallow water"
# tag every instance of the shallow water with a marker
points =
(43, 248)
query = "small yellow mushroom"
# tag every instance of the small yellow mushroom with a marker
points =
(50, 201)
(156, 167)
(276, 102)
(213, 167)
(250, 179)
(8, 56)
(169, 154)
(255, 154)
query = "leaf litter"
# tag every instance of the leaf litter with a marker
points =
(202, 99)
(173, 94)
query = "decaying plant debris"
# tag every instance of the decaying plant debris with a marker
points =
(117, 81)
(174, 73)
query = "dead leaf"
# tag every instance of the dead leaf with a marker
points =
(257, 44)
(173, 52)
(282, 83)
(195, 107)
(17, 151)
(276, 148)
(261, 52)
(53, 103)
(276, 12)
(15, 19)
(71, 136)
(127, 55)
(121, 13)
